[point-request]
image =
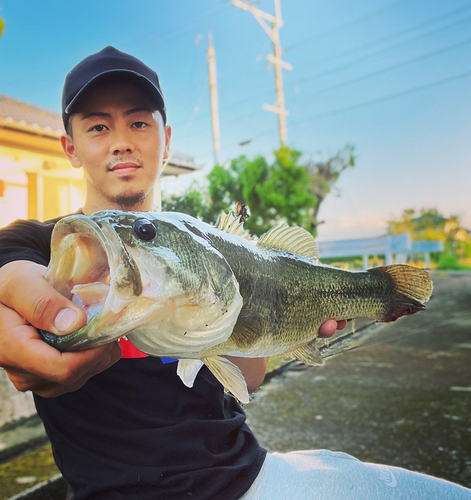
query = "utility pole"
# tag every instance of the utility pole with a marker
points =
(213, 87)
(275, 58)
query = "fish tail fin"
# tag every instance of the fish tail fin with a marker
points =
(410, 289)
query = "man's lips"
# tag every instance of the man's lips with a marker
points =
(125, 168)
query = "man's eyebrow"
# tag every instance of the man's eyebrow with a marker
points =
(138, 110)
(96, 113)
(132, 111)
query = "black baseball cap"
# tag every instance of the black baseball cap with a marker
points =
(109, 65)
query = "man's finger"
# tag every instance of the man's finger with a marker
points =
(69, 371)
(341, 324)
(54, 389)
(64, 367)
(39, 303)
(327, 329)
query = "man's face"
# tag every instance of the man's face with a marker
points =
(120, 141)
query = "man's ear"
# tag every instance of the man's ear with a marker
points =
(168, 136)
(69, 149)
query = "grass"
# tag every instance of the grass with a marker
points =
(26, 471)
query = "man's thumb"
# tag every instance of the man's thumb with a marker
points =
(27, 292)
(66, 320)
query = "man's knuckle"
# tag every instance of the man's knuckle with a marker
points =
(41, 308)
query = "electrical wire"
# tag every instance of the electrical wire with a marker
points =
(381, 51)
(339, 68)
(347, 25)
(185, 26)
(343, 84)
(391, 68)
(398, 34)
(421, 88)
(385, 98)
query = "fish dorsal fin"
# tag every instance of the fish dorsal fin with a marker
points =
(293, 239)
(308, 354)
(188, 369)
(229, 375)
(231, 224)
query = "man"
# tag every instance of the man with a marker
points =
(122, 425)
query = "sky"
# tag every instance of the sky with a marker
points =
(392, 78)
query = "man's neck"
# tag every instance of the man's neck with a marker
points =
(146, 206)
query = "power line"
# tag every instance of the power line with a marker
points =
(186, 26)
(348, 25)
(369, 44)
(344, 84)
(405, 42)
(421, 88)
(393, 67)
(386, 98)
(339, 68)
(390, 37)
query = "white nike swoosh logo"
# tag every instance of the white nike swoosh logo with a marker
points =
(388, 477)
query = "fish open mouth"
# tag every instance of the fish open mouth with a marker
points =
(91, 266)
(80, 264)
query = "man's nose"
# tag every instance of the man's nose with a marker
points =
(121, 142)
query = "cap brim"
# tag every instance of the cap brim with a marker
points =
(122, 75)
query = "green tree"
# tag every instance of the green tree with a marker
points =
(287, 190)
(191, 203)
(274, 193)
(429, 224)
(2, 26)
(322, 177)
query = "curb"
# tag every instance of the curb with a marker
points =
(53, 488)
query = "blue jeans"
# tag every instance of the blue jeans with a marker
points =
(327, 475)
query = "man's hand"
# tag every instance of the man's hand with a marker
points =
(328, 328)
(27, 299)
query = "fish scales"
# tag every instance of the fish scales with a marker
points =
(288, 296)
(180, 288)
(291, 297)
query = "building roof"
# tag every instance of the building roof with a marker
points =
(31, 119)
(19, 115)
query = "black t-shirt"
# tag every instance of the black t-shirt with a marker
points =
(135, 431)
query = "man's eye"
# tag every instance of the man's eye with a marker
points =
(98, 128)
(139, 124)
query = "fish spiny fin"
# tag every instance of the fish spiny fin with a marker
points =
(308, 354)
(229, 375)
(231, 224)
(293, 239)
(188, 369)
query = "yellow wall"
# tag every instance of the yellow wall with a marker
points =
(37, 183)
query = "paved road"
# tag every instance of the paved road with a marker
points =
(405, 402)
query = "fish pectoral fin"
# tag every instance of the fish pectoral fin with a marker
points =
(229, 375)
(247, 329)
(188, 369)
(308, 354)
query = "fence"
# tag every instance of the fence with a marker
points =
(395, 248)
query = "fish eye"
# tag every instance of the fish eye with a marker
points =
(144, 229)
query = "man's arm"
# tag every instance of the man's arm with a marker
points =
(27, 299)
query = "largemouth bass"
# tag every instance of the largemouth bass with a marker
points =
(179, 288)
